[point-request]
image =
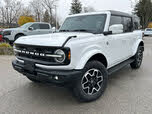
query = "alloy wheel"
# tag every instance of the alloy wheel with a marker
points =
(92, 81)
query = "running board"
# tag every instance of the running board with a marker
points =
(119, 66)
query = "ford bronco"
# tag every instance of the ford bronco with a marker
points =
(86, 50)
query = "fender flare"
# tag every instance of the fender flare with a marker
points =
(136, 45)
(86, 57)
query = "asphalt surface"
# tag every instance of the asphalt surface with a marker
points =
(128, 92)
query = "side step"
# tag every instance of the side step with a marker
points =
(119, 66)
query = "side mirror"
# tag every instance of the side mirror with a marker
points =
(31, 28)
(116, 29)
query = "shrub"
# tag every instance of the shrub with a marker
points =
(150, 25)
(6, 49)
(25, 19)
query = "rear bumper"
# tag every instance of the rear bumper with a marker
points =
(57, 77)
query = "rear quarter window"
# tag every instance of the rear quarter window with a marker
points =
(128, 25)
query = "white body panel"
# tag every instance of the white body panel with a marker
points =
(116, 47)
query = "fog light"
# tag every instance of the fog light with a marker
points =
(56, 78)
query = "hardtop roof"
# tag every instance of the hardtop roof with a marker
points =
(113, 12)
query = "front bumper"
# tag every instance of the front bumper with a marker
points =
(56, 77)
(8, 38)
(147, 34)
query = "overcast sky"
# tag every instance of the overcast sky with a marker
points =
(120, 5)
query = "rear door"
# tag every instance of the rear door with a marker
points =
(129, 35)
(117, 43)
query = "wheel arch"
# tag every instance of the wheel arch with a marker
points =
(135, 48)
(90, 57)
(19, 34)
(99, 57)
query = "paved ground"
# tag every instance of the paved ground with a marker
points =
(129, 92)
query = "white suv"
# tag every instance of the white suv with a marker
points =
(148, 32)
(32, 28)
(87, 49)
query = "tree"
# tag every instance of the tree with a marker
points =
(143, 10)
(46, 17)
(49, 5)
(150, 25)
(76, 7)
(88, 9)
(10, 11)
(25, 19)
(37, 9)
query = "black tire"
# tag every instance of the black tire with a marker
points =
(33, 80)
(18, 36)
(137, 59)
(84, 95)
(6, 41)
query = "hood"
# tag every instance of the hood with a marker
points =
(12, 29)
(55, 39)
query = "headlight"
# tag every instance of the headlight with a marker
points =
(7, 33)
(62, 58)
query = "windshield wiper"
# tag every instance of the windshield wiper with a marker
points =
(78, 30)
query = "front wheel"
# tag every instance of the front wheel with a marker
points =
(18, 36)
(137, 59)
(92, 82)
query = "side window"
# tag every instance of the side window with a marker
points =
(116, 20)
(35, 26)
(128, 25)
(44, 26)
(137, 24)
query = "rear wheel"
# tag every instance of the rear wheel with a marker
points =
(138, 59)
(92, 83)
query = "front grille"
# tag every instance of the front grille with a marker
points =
(6, 33)
(35, 52)
(38, 53)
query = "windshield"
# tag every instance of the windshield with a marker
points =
(25, 25)
(148, 29)
(90, 23)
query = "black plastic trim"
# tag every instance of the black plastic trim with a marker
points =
(68, 40)
(65, 76)
(119, 66)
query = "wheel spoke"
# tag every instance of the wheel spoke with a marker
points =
(92, 81)
(90, 92)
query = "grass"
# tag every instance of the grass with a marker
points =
(6, 49)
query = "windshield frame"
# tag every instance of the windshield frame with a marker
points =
(97, 32)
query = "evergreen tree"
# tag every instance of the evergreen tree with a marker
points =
(143, 10)
(76, 7)
(46, 17)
